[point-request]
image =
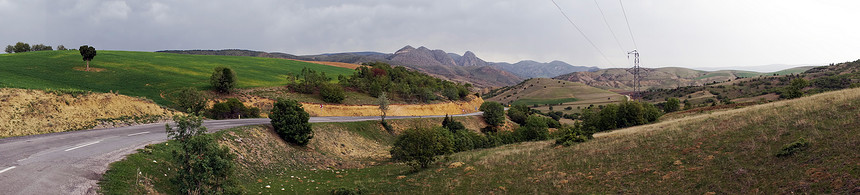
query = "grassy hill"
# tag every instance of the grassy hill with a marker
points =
(144, 74)
(726, 152)
(542, 91)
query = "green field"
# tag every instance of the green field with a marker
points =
(143, 74)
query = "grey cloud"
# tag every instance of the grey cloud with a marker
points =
(692, 33)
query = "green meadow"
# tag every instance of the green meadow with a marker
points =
(143, 74)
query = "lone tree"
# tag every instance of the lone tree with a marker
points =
(203, 165)
(672, 105)
(419, 147)
(88, 53)
(223, 79)
(383, 105)
(795, 90)
(291, 122)
(494, 113)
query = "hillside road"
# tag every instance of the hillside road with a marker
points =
(73, 162)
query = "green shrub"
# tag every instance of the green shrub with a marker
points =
(494, 113)
(519, 113)
(332, 93)
(203, 166)
(795, 90)
(791, 148)
(189, 100)
(535, 129)
(672, 105)
(233, 108)
(419, 147)
(291, 122)
(452, 125)
(223, 79)
(573, 134)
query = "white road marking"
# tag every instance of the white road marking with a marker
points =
(141, 133)
(83, 145)
(6, 169)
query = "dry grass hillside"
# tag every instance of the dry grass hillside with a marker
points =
(450, 108)
(314, 109)
(30, 112)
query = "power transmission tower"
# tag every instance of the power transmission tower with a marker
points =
(637, 87)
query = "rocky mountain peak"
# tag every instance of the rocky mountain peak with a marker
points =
(469, 59)
(406, 49)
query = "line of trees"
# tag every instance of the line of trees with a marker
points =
(21, 47)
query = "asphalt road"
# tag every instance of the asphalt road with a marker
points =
(73, 162)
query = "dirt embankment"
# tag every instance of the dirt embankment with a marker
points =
(317, 109)
(450, 108)
(30, 112)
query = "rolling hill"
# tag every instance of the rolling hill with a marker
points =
(661, 78)
(763, 87)
(546, 92)
(145, 74)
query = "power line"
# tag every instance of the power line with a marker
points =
(581, 33)
(628, 24)
(607, 26)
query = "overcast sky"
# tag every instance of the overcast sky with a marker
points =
(685, 33)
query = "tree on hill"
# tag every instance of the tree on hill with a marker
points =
(519, 113)
(203, 165)
(332, 93)
(21, 47)
(419, 147)
(88, 53)
(383, 104)
(10, 49)
(291, 122)
(223, 79)
(672, 105)
(41, 47)
(61, 47)
(795, 89)
(494, 113)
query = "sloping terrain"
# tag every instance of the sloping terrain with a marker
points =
(661, 78)
(546, 93)
(147, 74)
(30, 112)
(763, 87)
(740, 151)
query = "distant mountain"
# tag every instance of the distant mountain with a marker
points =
(533, 69)
(662, 78)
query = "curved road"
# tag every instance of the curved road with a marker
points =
(73, 162)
